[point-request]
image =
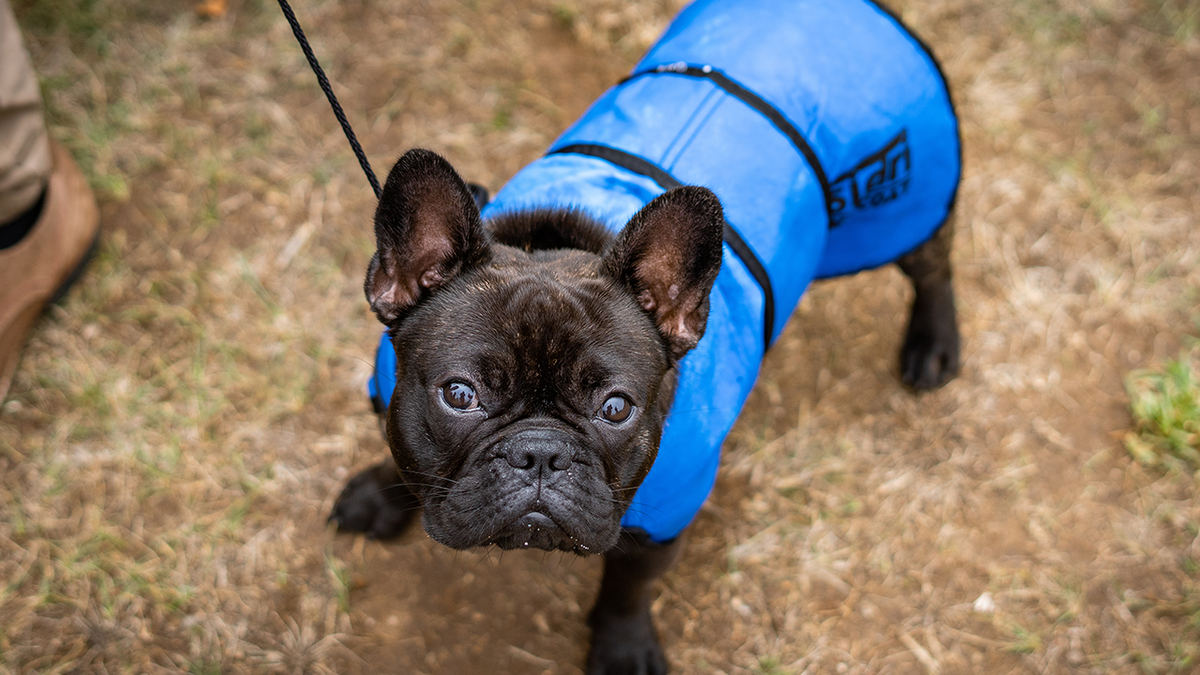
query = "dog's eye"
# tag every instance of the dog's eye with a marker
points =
(460, 396)
(616, 409)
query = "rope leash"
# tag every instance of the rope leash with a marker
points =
(328, 89)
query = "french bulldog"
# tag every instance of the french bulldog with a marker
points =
(539, 344)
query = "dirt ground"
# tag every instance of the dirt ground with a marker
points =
(180, 426)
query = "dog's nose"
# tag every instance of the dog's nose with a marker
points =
(538, 452)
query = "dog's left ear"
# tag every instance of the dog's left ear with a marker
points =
(668, 256)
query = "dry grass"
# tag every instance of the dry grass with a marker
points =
(179, 428)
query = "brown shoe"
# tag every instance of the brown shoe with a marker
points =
(37, 270)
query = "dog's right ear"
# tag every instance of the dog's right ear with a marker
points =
(427, 231)
(668, 256)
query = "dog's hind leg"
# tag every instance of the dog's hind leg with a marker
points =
(623, 635)
(376, 502)
(930, 355)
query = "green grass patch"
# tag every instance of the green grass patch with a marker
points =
(339, 576)
(88, 23)
(1052, 24)
(770, 665)
(1024, 641)
(1177, 19)
(565, 15)
(205, 667)
(1165, 403)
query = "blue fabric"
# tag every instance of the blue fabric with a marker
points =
(873, 108)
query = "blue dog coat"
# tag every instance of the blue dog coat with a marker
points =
(826, 130)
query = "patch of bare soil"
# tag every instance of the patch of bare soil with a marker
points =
(180, 427)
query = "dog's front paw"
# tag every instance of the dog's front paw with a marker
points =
(930, 354)
(625, 646)
(375, 502)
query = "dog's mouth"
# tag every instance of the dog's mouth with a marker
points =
(525, 519)
(537, 530)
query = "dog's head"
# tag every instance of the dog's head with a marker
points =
(536, 357)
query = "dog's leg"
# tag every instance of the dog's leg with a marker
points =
(929, 357)
(376, 502)
(623, 635)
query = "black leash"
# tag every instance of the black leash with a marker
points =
(325, 87)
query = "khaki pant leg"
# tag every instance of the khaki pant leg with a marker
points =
(24, 145)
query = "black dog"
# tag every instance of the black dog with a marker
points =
(538, 353)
